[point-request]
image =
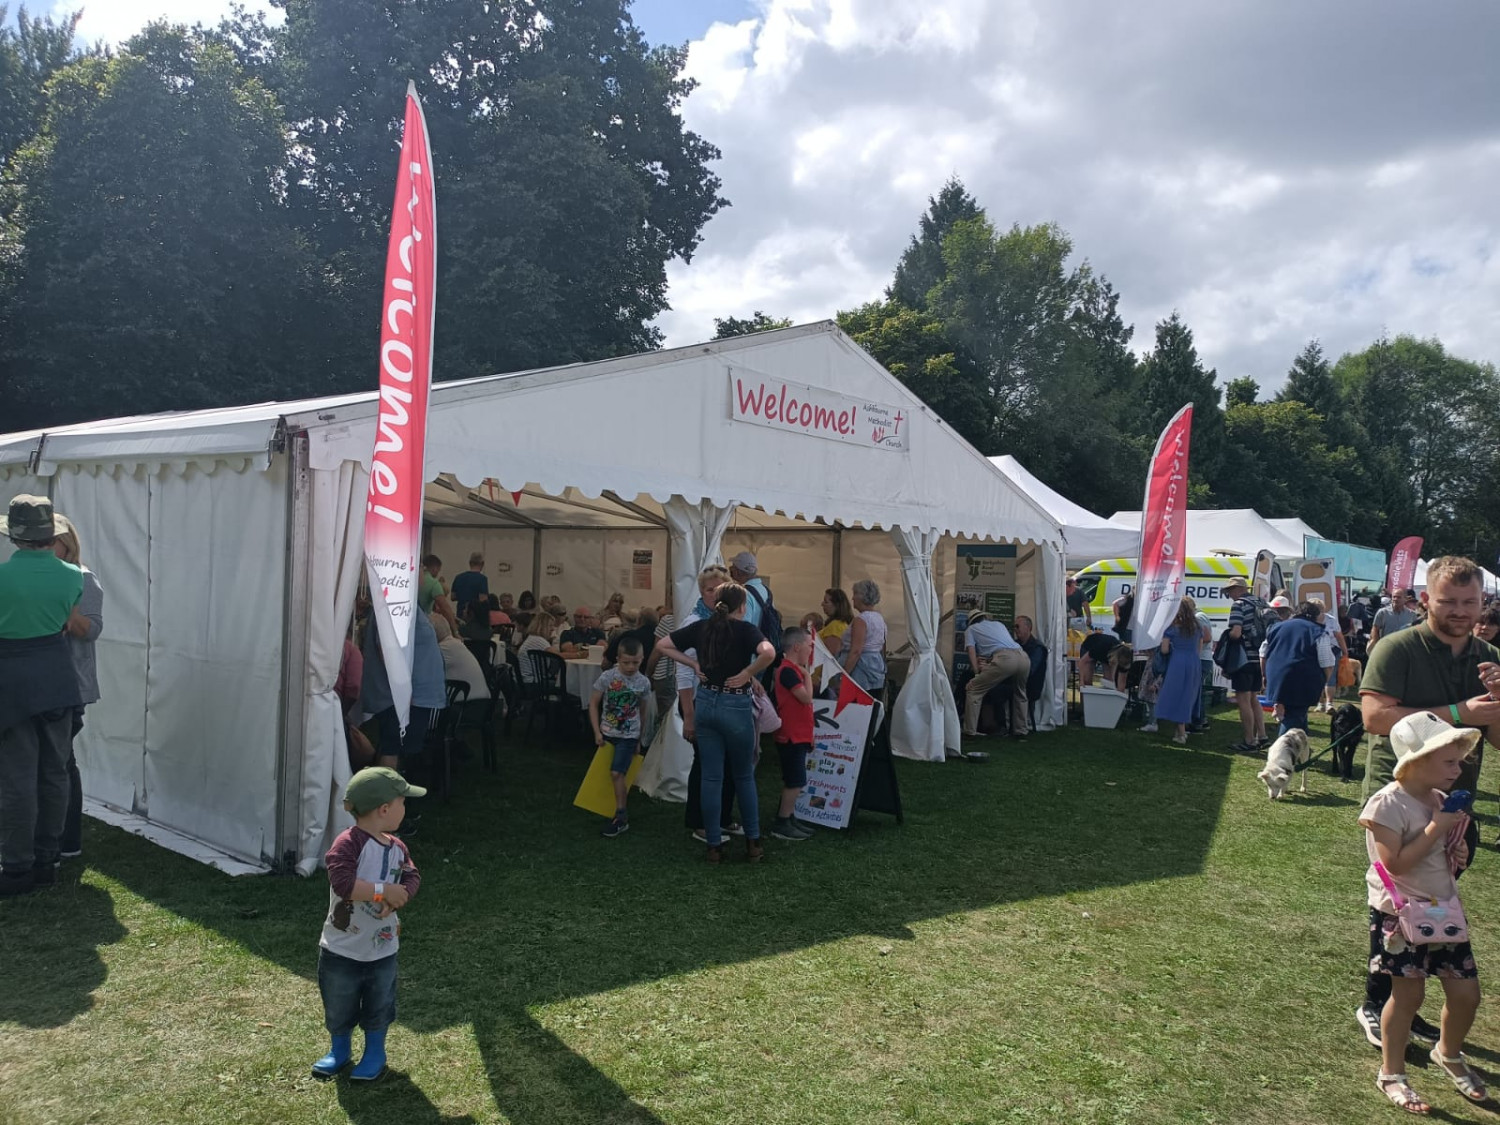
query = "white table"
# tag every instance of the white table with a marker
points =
(582, 672)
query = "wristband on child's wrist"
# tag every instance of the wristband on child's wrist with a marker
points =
(379, 895)
(1457, 718)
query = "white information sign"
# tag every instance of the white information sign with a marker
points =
(833, 766)
(765, 401)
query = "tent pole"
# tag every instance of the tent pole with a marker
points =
(294, 655)
(536, 563)
(837, 581)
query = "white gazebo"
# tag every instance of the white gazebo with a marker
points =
(228, 543)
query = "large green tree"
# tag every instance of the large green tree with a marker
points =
(31, 52)
(566, 178)
(727, 326)
(914, 347)
(1431, 430)
(921, 265)
(1171, 376)
(1275, 460)
(158, 268)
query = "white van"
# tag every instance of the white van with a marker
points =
(1203, 580)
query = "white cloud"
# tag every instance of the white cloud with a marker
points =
(1272, 170)
(113, 21)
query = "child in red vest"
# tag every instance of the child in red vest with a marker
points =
(794, 741)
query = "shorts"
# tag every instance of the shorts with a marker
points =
(793, 757)
(1449, 962)
(625, 749)
(392, 743)
(1247, 678)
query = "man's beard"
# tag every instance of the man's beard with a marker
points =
(1444, 629)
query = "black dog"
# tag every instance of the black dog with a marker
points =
(1347, 729)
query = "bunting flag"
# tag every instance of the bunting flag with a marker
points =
(828, 664)
(393, 507)
(1403, 569)
(1163, 533)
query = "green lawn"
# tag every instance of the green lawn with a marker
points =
(1090, 927)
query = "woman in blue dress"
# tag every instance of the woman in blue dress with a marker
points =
(1184, 676)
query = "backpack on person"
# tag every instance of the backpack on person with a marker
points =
(770, 620)
(1258, 619)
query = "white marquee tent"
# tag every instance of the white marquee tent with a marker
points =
(229, 546)
(1090, 537)
(1240, 531)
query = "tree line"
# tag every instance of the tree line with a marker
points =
(1024, 353)
(198, 218)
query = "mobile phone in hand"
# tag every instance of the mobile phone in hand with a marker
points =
(1457, 801)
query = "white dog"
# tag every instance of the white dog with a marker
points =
(1285, 755)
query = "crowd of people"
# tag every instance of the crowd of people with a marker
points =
(649, 664)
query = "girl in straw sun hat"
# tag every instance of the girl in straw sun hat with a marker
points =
(1414, 831)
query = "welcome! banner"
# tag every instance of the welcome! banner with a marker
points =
(1403, 569)
(1163, 533)
(393, 507)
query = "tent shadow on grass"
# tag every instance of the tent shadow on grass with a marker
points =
(523, 904)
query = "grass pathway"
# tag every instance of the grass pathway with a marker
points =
(1090, 927)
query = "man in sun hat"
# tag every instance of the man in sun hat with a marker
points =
(1441, 667)
(39, 689)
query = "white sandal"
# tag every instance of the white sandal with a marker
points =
(1399, 1091)
(1467, 1081)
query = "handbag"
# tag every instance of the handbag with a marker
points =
(1426, 922)
(767, 719)
(1346, 672)
(1229, 654)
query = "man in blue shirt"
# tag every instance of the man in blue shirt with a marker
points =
(471, 584)
(743, 569)
(996, 658)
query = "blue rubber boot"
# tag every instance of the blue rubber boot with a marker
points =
(371, 1064)
(335, 1060)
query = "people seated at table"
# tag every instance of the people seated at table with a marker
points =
(476, 623)
(458, 662)
(585, 631)
(500, 613)
(1099, 650)
(471, 585)
(539, 635)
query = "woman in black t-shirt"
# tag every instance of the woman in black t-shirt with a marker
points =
(731, 653)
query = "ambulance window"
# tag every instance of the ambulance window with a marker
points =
(1088, 583)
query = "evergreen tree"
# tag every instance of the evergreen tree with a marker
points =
(1172, 376)
(921, 266)
(1241, 392)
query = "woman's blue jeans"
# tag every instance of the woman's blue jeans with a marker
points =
(1293, 717)
(725, 723)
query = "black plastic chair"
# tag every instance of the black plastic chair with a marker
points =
(479, 714)
(548, 689)
(437, 750)
(483, 652)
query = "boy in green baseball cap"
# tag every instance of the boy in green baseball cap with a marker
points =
(370, 876)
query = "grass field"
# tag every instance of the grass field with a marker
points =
(1089, 927)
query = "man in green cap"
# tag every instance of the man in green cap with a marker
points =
(38, 691)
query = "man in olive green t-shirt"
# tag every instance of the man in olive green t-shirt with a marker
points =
(38, 691)
(1441, 667)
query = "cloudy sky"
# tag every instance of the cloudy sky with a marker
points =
(1275, 170)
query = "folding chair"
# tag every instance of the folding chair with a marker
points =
(439, 742)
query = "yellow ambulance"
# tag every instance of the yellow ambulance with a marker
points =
(1203, 580)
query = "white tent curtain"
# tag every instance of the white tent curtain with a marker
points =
(924, 722)
(1052, 628)
(697, 531)
(337, 521)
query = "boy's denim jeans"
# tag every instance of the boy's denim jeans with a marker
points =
(726, 741)
(356, 992)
